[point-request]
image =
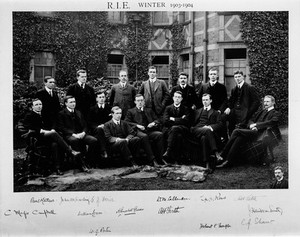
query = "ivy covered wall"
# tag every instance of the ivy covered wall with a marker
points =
(266, 37)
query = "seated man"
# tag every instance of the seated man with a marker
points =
(206, 127)
(121, 137)
(176, 122)
(73, 127)
(146, 123)
(34, 121)
(98, 115)
(267, 118)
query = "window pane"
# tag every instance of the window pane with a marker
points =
(38, 72)
(48, 71)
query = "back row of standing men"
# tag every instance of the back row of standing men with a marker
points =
(176, 116)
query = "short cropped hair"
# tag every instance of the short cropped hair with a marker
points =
(238, 72)
(206, 94)
(152, 67)
(113, 109)
(279, 168)
(100, 93)
(184, 74)
(33, 100)
(178, 92)
(213, 69)
(47, 78)
(80, 71)
(138, 95)
(67, 97)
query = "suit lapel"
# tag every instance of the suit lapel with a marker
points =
(156, 84)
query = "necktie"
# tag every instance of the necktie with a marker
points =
(82, 86)
(50, 93)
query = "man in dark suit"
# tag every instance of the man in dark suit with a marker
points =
(122, 94)
(243, 103)
(146, 124)
(281, 182)
(50, 101)
(190, 98)
(206, 129)
(83, 93)
(267, 118)
(98, 115)
(120, 136)
(73, 127)
(176, 122)
(155, 92)
(35, 122)
(216, 90)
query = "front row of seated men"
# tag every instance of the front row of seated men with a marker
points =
(161, 140)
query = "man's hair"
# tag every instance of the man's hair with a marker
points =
(33, 100)
(47, 78)
(113, 109)
(213, 69)
(122, 71)
(279, 168)
(67, 97)
(152, 67)
(206, 94)
(138, 95)
(184, 74)
(80, 71)
(99, 93)
(238, 72)
(178, 92)
(271, 97)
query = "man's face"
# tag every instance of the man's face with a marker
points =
(182, 80)
(71, 103)
(117, 114)
(139, 101)
(278, 174)
(50, 83)
(37, 106)
(238, 78)
(82, 77)
(177, 98)
(100, 98)
(123, 77)
(206, 101)
(152, 73)
(268, 103)
(213, 75)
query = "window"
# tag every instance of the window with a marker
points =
(115, 17)
(115, 65)
(162, 66)
(43, 65)
(235, 59)
(160, 18)
(184, 63)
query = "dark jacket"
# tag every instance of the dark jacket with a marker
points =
(182, 118)
(98, 116)
(189, 95)
(280, 185)
(51, 107)
(33, 121)
(214, 119)
(111, 133)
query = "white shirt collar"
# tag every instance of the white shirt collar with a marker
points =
(212, 83)
(116, 122)
(270, 108)
(47, 89)
(177, 106)
(123, 84)
(142, 108)
(79, 83)
(71, 111)
(208, 107)
(241, 84)
(280, 179)
(152, 80)
(101, 106)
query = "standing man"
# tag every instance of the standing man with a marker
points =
(216, 90)
(50, 101)
(121, 137)
(98, 115)
(280, 182)
(83, 93)
(206, 129)
(35, 121)
(122, 94)
(190, 99)
(147, 126)
(155, 92)
(72, 125)
(267, 118)
(176, 122)
(243, 103)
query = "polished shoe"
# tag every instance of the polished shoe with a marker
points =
(219, 157)
(133, 164)
(154, 163)
(85, 169)
(75, 153)
(164, 162)
(222, 165)
(167, 154)
(58, 172)
(104, 155)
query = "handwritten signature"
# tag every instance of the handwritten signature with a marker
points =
(93, 213)
(218, 197)
(214, 226)
(171, 198)
(25, 214)
(169, 210)
(100, 230)
(249, 198)
(256, 221)
(130, 211)
(270, 209)
(41, 200)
